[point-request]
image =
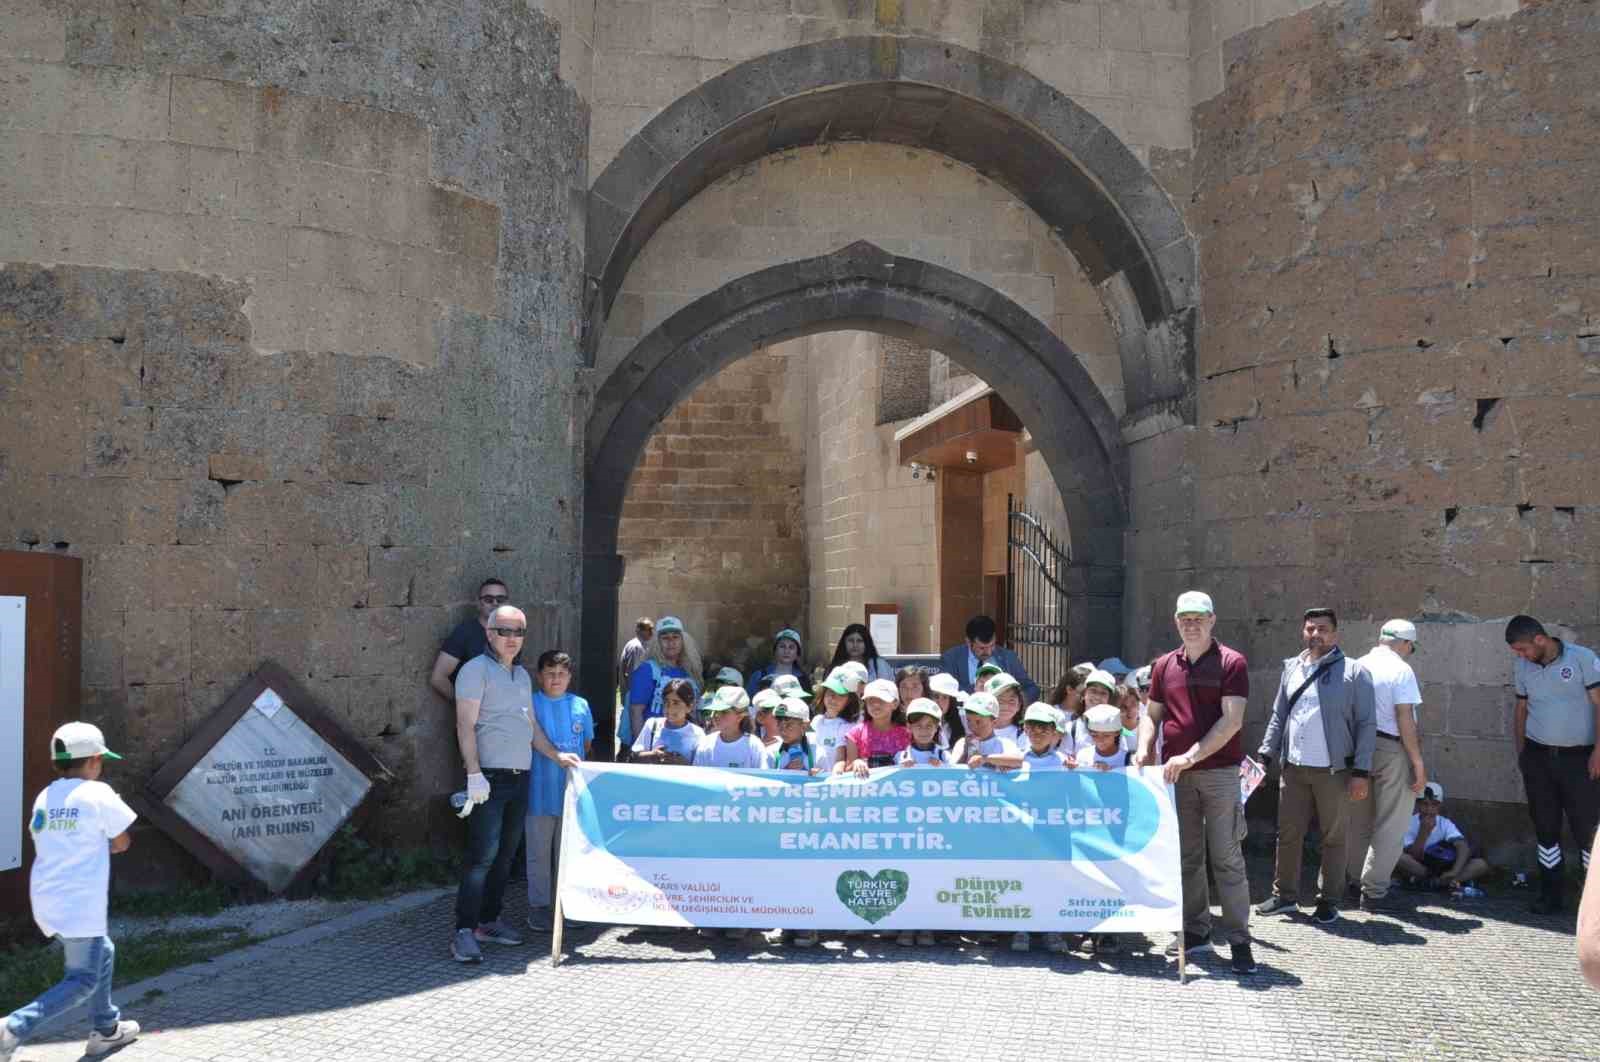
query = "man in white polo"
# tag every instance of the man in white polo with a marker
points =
(1377, 826)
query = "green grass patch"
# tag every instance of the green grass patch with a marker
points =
(359, 870)
(27, 970)
(189, 900)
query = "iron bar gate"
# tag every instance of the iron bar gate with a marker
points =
(1036, 597)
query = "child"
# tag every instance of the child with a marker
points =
(876, 741)
(922, 719)
(986, 671)
(945, 691)
(671, 739)
(1127, 698)
(1109, 747)
(566, 720)
(1098, 688)
(1044, 752)
(840, 709)
(728, 744)
(911, 682)
(795, 751)
(1007, 693)
(789, 686)
(763, 723)
(982, 747)
(78, 822)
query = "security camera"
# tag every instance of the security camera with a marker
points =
(972, 457)
(916, 470)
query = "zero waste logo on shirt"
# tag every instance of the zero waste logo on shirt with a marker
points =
(873, 897)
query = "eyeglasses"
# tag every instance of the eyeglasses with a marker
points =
(494, 599)
(510, 632)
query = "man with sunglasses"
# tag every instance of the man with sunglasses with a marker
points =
(467, 640)
(497, 734)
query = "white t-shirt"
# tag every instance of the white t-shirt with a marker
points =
(72, 824)
(1050, 761)
(658, 735)
(745, 751)
(1086, 756)
(1444, 836)
(994, 745)
(1012, 733)
(830, 738)
(911, 756)
(1393, 682)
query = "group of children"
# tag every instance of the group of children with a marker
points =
(917, 720)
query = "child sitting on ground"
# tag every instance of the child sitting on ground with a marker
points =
(78, 822)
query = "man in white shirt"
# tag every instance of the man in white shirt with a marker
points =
(1378, 825)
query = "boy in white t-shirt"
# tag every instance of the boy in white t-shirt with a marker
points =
(1436, 853)
(77, 822)
(1043, 752)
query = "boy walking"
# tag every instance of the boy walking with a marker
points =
(77, 822)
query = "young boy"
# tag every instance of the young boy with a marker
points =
(77, 823)
(1039, 726)
(796, 749)
(982, 747)
(566, 720)
(1109, 748)
(1437, 854)
(922, 717)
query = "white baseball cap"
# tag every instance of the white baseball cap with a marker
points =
(946, 685)
(1194, 601)
(729, 697)
(669, 625)
(882, 689)
(789, 686)
(766, 699)
(923, 706)
(730, 676)
(77, 741)
(1399, 628)
(1104, 719)
(1097, 677)
(1433, 791)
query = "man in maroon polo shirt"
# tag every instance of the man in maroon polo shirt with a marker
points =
(1197, 698)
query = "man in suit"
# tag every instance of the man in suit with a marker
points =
(963, 661)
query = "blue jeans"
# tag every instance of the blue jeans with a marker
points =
(493, 830)
(88, 977)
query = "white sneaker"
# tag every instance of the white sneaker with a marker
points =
(8, 1043)
(99, 1043)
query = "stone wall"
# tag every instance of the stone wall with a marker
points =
(1397, 354)
(288, 322)
(869, 525)
(713, 527)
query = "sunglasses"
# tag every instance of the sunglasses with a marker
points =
(494, 599)
(510, 632)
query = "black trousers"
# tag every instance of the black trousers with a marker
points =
(1558, 784)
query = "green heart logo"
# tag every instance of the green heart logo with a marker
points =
(873, 896)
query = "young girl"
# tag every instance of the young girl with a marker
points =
(673, 655)
(1127, 697)
(945, 691)
(728, 744)
(1007, 693)
(922, 719)
(881, 737)
(982, 747)
(1098, 688)
(855, 644)
(785, 661)
(795, 749)
(670, 738)
(840, 709)
(911, 682)
(763, 721)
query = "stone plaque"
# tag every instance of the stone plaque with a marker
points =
(265, 783)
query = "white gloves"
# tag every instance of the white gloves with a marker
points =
(477, 793)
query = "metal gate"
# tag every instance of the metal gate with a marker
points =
(1036, 596)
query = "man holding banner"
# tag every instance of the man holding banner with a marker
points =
(1197, 698)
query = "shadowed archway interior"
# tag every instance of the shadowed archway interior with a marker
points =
(862, 287)
(1004, 122)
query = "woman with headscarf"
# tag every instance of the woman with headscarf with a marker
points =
(673, 655)
(856, 644)
(785, 660)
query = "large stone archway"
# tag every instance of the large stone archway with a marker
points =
(863, 287)
(1031, 138)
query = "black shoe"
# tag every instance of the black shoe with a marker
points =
(1276, 904)
(1193, 944)
(1244, 960)
(1546, 905)
(1380, 904)
(1325, 914)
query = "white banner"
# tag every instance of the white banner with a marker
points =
(13, 801)
(908, 848)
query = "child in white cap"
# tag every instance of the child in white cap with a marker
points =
(840, 710)
(727, 743)
(982, 747)
(78, 822)
(1007, 693)
(922, 719)
(882, 736)
(763, 720)
(795, 750)
(1043, 752)
(1109, 747)
(945, 691)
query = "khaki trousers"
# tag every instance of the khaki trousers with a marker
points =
(544, 856)
(1301, 791)
(1378, 824)
(1211, 822)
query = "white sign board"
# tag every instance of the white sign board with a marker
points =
(885, 630)
(270, 792)
(13, 649)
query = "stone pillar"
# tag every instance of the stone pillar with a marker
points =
(289, 305)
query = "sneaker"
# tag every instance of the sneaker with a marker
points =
(8, 1043)
(1106, 944)
(925, 938)
(1021, 942)
(496, 932)
(541, 919)
(464, 947)
(806, 939)
(1244, 960)
(99, 1043)
(1055, 942)
(1325, 914)
(1193, 944)
(1276, 904)
(906, 938)
(1386, 902)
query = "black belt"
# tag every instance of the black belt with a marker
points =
(1559, 750)
(502, 770)
(1391, 737)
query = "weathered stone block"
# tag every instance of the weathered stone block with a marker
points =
(222, 651)
(156, 646)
